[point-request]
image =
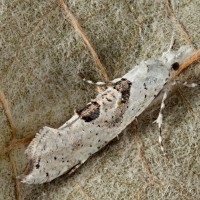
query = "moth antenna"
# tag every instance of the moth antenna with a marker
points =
(99, 83)
(172, 40)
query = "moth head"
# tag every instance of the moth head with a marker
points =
(172, 59)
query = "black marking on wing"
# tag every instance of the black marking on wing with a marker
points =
(123, 86)
(90, 112)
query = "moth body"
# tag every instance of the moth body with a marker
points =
(54, 152)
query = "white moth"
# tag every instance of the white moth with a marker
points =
(54, 152)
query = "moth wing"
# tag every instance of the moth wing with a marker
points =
(54, 152)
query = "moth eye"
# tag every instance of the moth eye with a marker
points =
(175, 66)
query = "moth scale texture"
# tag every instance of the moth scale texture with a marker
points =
(54, 152)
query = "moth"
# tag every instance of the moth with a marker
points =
(54, 152)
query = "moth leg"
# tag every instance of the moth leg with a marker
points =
(159, 121)
(185, 83)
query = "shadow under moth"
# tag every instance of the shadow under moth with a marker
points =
(54, 152)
